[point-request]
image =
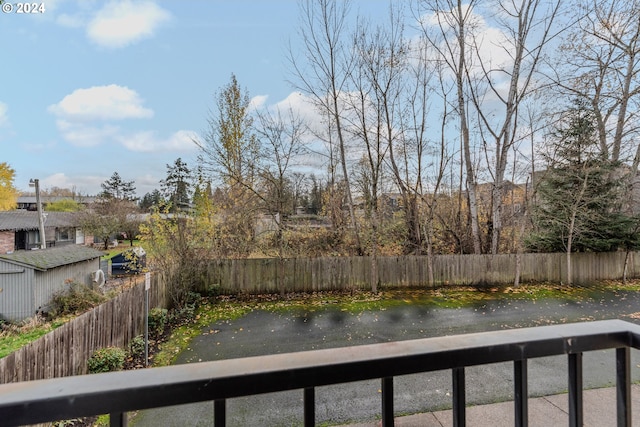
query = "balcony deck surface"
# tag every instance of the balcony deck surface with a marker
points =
(548, 411)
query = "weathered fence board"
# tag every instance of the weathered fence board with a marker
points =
(64, 351)
(324, 274)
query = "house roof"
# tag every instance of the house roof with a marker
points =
(50, 199)
(45, 259)
(27, 220)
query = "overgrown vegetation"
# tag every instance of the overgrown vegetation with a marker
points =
(16, 335)
(157, 320)
(106, 359)
(136, 348)
(76, 299)
(180, 247)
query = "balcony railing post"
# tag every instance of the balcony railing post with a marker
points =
(119, 419)
(576, 418)
(220, 413)
(309, 407)
(521, 393)
(387, 402)
(459, 398)
(623, 386)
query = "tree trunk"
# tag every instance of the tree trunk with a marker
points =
(625, 269)
(464, 129)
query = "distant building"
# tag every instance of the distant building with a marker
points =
(29, 202)
(19, 230)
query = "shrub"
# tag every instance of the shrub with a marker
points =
(192, 298)
(106, 359)
(213, 290)
(77, 299)
(183, 314)
(136, 347)
(157, 320)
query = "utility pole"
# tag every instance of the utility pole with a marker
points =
(36, 183)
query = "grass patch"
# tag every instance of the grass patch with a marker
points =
(123, 245)
(15, 336)
(206, 314)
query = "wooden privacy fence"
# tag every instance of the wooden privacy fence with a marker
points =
(65, 350)
(324, 274)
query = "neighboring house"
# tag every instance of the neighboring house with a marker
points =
(19, 229)
(29, 202)
(28, 279)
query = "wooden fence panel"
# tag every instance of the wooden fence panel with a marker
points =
(323, 274)
(64, 352)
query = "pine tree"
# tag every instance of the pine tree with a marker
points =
(177, 185)
(151, 200)
(579, 198)
(117, 188)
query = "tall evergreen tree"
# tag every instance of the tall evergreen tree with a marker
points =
(177, 185)
(579, 199)
(117, 188)
(150, 200)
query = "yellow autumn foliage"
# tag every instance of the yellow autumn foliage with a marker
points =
(8, 193)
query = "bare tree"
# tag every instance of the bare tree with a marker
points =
(599, 63)
(449, 33)
(494, 87)
(436, 153)
(281, 136)
(324, 73)
(527, 27)
(376, 80)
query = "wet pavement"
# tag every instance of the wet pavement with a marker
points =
(261, 332)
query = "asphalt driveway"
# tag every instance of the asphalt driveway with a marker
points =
(261, 332)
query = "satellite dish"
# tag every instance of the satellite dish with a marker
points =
(98, 278)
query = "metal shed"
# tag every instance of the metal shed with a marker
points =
(28, 279)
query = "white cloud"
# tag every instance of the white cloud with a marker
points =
(494, 47)
(83, 135)
(120, 23)
(4, 118)
(84, 184)
(89, 118)
(147, 141)
(147, 180)
(258, 102)
(302, 105)
(71, 21)
(111, 102)
(59, 180)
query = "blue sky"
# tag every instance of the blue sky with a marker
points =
(93, 87)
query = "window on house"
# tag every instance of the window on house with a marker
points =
(64, 234)
(32, 239)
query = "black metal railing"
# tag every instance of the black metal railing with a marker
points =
(119, 392)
